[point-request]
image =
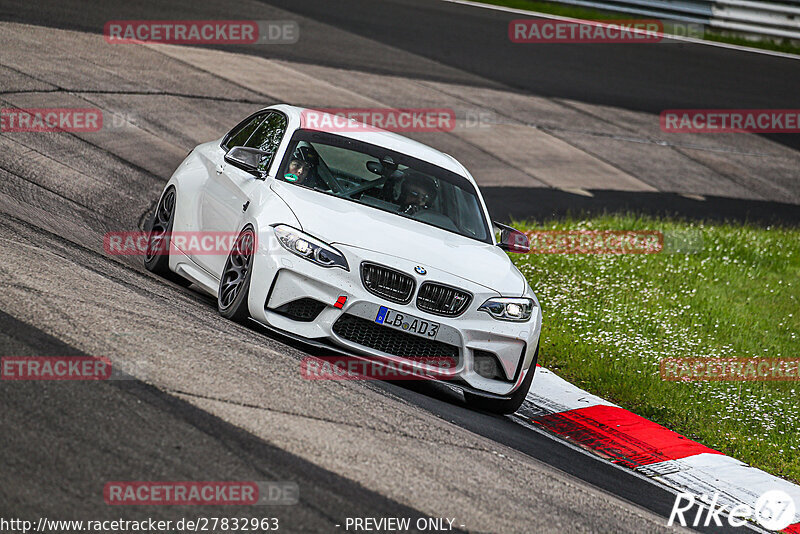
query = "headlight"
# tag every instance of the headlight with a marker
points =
(309, 248)
(509, 309)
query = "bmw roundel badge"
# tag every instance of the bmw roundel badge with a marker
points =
(420, 269)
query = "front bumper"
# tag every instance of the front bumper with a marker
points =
(279, 277)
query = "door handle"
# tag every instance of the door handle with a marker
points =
(220, 168)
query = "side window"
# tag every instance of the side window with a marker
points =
(239, 137)
(268, 136)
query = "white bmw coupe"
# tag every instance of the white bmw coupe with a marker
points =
(360, 240)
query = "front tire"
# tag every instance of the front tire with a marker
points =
(234, 284)
(156, 257)
(505, 406)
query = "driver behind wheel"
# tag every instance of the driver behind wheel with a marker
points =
(417, 192)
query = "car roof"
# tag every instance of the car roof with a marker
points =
(384, 138)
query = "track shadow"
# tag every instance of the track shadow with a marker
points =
(63, 440)
(523, 203)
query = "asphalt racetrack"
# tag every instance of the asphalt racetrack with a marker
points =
(567, 127)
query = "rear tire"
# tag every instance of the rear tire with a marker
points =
(234, 284)
(505, 406)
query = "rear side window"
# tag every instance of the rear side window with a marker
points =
(239, 135)
(268, 136)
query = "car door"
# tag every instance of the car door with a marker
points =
(229, 189)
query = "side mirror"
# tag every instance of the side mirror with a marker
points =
(512, 240)
(248, 159)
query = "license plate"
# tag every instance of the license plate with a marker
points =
(407, 323)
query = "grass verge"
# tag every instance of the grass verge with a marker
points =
(610, 318)
(578, 12)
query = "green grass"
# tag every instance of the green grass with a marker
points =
(578, 12)
(609, 320)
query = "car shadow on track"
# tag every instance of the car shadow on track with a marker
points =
(421, 386)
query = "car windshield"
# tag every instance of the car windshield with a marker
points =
(386, 180)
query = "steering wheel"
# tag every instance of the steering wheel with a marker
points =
(365, 187)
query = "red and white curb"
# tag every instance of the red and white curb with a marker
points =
(631, 441)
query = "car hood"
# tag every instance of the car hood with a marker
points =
(339, 221)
